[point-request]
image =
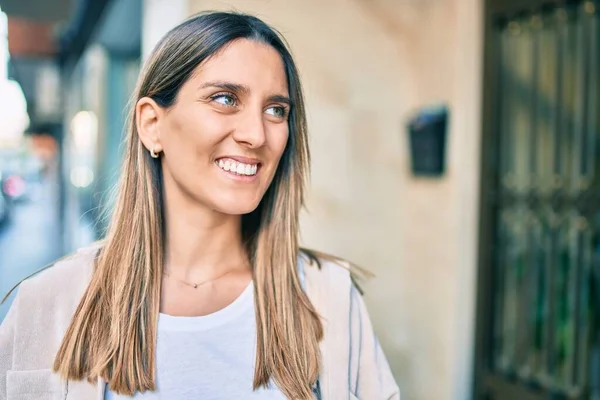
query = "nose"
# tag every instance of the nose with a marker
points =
(251, 131)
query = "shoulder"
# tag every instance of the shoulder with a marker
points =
(44, 306)
(60, 284)
(330, 271)
(324, 269)
(330, 282)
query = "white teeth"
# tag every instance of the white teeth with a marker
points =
(238, 168)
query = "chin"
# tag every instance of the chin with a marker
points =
(236, 208)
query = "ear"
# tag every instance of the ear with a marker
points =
(147, 117)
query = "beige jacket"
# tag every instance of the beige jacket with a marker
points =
(354, 367)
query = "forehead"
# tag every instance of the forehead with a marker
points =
(246, 62)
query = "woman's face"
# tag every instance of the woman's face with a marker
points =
(224, 136)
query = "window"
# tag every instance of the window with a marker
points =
(539, 314)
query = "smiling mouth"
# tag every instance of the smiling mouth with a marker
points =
(236, 167)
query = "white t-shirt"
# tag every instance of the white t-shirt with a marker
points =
(210, 357)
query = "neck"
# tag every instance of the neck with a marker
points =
(201, 243)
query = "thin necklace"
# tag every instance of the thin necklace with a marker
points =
(195, 285)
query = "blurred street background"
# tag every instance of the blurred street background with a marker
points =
(456, 155)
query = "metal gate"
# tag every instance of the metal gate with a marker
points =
(539, 276)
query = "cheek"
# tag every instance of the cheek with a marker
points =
(279, 140)
(194, 133)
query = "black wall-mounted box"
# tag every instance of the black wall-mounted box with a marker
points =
(427, 136)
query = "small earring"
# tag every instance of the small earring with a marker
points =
(153, 154)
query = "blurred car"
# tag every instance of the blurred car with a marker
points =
(14, 187)
(4, 203)
(4, 209)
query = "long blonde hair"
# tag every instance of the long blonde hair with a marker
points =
(114, 330)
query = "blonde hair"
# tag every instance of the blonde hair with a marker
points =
(114, 330)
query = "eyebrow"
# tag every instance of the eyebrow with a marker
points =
(281, 99)
(237, 88)
(232, 87)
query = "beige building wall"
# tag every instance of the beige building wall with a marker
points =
(366, 65)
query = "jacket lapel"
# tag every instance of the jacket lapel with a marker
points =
(100, 389)
(329, 291)
(314, 292)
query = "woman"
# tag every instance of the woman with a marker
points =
(199, 290)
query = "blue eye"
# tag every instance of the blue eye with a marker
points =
(225, 99)
(277, 111)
